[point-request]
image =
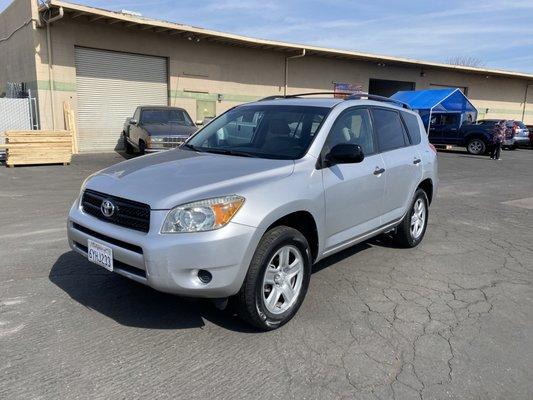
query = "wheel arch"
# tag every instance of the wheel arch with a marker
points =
(427, 186)
(304, 222)
(477, 135)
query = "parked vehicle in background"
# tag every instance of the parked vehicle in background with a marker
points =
(476, 137)
(521, 134)
(247, 205)
(157, 128)
(517, 133)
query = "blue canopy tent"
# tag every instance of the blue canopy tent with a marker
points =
(433, 101)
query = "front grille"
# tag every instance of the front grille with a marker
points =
(128, 213)
(173, 142)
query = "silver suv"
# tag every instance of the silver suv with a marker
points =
(245, 207)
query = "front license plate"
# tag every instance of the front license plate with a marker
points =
(100, 254)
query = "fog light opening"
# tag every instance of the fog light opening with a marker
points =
(204, 276)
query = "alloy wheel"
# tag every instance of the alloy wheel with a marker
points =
(283, 279)
(476, 146)
(418, 218)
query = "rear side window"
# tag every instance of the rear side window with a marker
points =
(389, 129)
(413, 128)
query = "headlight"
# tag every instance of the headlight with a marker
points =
(156, 139)
(204, 215)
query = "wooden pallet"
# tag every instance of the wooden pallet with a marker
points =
(37, 147)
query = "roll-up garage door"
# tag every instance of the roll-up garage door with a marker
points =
(110, 85)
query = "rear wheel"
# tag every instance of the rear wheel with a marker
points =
(412, 229)
(476, 146)
(277, 279)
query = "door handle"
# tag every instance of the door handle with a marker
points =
(379, 171)
(417, 161)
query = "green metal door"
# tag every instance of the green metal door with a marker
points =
(205, 108)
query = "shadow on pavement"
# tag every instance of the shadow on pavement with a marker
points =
(133, 304)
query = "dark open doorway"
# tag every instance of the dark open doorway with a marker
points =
(387, 88)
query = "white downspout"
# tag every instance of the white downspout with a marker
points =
(50, 63)
(287, 69)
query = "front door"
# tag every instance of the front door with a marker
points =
(353, 192)
(444, 128)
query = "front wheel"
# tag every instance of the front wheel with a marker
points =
(476, 146)
(128, 146)
(277, 279)
(412, 229)
(142, 148)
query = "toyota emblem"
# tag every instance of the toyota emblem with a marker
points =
(107, 208)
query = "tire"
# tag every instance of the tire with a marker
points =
(258, 287)
(128, 146)
(142, 148)
(513, 147)
(406, 236)
(476, 146)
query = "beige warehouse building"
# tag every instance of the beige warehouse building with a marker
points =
(106, 63)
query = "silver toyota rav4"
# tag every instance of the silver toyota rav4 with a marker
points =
(251, 201)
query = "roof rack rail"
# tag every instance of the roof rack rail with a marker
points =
(292, 96)
(358, 96)
(349, 96)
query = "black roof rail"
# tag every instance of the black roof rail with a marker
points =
(358, 96)
(292, 96)
(349, 96)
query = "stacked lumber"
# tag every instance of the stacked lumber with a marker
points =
(70, 125)
(37, 147)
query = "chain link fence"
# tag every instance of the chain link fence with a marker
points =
(16, 114)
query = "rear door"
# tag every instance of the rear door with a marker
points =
(402, 163)
(353, 192)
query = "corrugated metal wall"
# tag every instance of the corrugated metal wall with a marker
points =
(110, 85)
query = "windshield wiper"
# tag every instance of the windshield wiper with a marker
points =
(229, 152)
(190, 146)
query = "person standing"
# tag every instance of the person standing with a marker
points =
(498, 135)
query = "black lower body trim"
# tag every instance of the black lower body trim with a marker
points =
(116, 242)
(119, 265)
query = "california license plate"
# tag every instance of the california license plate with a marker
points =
(100, 254)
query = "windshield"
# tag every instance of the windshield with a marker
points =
(165, 116)
(282, 132)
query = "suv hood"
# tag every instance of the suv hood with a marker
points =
(169, 129)
(175, 177)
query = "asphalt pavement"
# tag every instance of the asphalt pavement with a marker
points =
(451, 319)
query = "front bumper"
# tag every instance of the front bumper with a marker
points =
(170, 262)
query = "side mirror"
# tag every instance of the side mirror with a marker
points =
(133, 121)
(344, 154)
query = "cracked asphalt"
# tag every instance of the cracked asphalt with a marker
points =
(451, 319)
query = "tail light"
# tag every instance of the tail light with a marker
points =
(433, 148)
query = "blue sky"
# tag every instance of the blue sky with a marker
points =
(498, 32)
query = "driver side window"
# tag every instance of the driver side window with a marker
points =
(137, 114)
(353, 126)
